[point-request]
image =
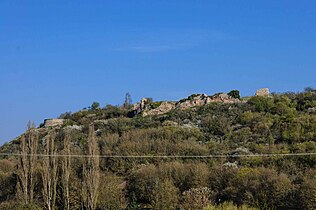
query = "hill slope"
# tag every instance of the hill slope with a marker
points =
(175, 142)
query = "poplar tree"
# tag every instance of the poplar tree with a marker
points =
(91, 172)
(66, 170)
(49, 172)
(128, 101)
(27, 164)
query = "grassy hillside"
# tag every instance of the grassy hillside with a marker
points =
(232, 134)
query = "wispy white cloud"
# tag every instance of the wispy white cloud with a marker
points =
(166, 40)
(159, 48)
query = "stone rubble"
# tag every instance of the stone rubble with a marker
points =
(53, 122)
(263, 92)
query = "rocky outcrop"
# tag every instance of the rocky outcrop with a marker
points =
(162, 109)
(193, 100)
(75, 127)
(147, 107)
(203, 99)
(142, 105)
(224, 98)
(263, 92)
(53, 122)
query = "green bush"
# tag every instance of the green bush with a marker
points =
(234, 94)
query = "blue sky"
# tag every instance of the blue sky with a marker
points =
(58, 56)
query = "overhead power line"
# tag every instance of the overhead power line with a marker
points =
(161, 156)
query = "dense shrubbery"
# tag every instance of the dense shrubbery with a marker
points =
(284, 123)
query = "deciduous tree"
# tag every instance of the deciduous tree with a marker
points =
(49, 172)
(91, 172)
(66, 170)
(27, 165)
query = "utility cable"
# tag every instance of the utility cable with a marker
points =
(162, 156)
